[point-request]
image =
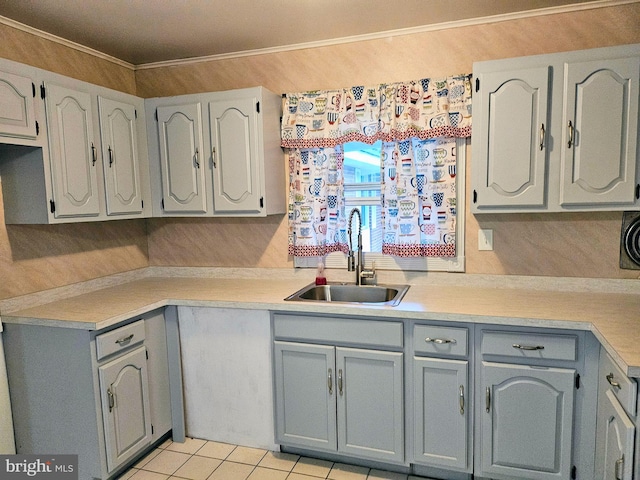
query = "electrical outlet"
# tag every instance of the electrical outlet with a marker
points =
(485, 239)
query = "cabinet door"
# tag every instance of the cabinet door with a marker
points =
(441, 412)
(182, 158)
(527, 417)
(125, 406)
(17, 113)
(236, 167)
(614, 440)
(370, 404)
(600, 124)
(512, 142)
(305, 395)
(120, 157)
(73, 152)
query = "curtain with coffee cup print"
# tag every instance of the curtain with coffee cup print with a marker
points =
(418, 122)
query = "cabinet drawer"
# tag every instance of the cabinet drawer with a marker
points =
(624, 388)
(119, 339)
(530, 345)
(440, 340)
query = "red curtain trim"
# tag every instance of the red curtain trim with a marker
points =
(397, 250)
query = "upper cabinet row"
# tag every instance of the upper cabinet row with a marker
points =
(557, 132)
(72, 151)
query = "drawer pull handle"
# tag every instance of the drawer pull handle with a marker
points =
(124, 340)
(612, 382)
(440, 341)
(461, 399)
(330, 382)
(570, 127)
(340, 381)
(541, 136)
(528, 347)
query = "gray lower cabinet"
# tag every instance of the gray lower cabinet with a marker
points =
(441, 398)
(335, 398)
(533, 405)
(616, 430)
(103, 396)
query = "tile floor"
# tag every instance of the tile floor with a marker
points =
(205, 460)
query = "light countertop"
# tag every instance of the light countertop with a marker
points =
(614, 318)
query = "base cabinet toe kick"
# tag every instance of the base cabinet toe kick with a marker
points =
(451, 400)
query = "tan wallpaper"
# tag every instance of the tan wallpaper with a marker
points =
(570, 244)
(39, 257)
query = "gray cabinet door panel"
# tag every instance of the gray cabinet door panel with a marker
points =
(527, 421)
(370, 403)
(441, 406)
(614, 440)
(305, 395)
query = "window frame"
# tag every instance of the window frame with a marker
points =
(420, 264)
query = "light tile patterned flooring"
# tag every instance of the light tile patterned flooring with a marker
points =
(204, 460)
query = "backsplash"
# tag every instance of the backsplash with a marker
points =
(34, 258)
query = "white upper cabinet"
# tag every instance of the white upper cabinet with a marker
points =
(73, 152)
(17, 109)
(236, 169)
(600, 119)
(121, 159)
(226, 161)
(557, 132)
(182, 158)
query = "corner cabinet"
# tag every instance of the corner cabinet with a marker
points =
(70, 151)
(114, 384)
(557, 132)
(338, 398)
(219, 154)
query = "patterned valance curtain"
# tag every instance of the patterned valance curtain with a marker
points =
(418, 189)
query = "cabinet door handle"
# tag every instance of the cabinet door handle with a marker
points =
(213, 157)
(461, 399)
(613, 383)
(110, 156)
(541, 136)
(94, 159)
(570, 127)
(440, 341)
(112, 399)
(196, 160)
(619, 468)
(487, 399)
(124, 340)
(340, 381)
(330, 382)
(528, 347)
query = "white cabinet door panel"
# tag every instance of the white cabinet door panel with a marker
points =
(73, 152)
(120, 156)
(615, 436)
(182, 158)
(600, 132)
(17, 114)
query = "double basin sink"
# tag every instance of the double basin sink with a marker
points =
(351, 293)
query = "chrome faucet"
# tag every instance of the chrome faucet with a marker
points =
(361, 273)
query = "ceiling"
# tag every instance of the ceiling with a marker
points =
(148, 31)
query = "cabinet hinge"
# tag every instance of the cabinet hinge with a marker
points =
(477, 84)
(156, 115)
(162, 203)
(43, 92)
(52, 206)
(147, 354)
(151, 429)
(261, 202)
(475, 196)
(37, 128)
(142, 203)
(577, 381)
(258, 107)
(33, 89)
(135, 113)
(574, 472)
(637, 191)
